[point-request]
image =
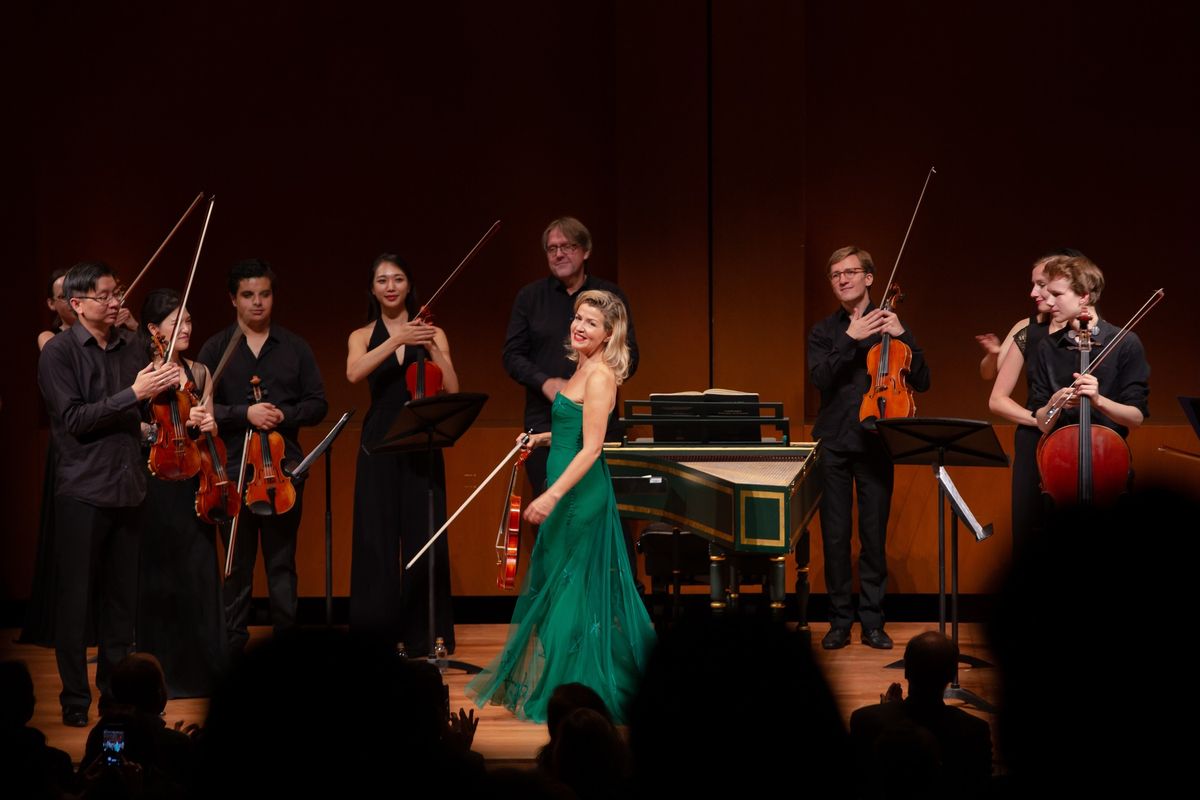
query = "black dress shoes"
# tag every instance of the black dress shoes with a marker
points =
(877, 638)
(836, 639)
(75, 717)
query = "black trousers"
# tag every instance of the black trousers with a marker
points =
(1028, 503)
(96, 556)
(278, 536)
(870, 473)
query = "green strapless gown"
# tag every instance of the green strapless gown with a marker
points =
(579, 618)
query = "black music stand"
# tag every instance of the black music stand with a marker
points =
(425, 424)
(944, 443)
(326, 448)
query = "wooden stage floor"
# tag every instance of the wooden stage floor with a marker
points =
(857, 674)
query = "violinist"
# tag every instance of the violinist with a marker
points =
(93, 378)
(390, 519)
(1005, 362)
(39, 614)
(1118, 388)
(295, 397)
(853, 456)
(181, 618)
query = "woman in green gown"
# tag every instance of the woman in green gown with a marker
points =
(579, 617)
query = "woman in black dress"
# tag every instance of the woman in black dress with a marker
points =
(390, 489)
(1006, 363)
(180, 617)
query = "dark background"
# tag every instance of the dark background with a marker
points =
(718, 152)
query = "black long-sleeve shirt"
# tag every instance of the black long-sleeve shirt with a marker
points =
(95, 418)
(290, 381)
(1124, 375)
(837, 366)
(535, 347)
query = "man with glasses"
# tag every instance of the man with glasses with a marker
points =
(853, 456)
(94, 377)
(535, 353)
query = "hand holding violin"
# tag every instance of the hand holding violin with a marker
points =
(866, 325)
(200, 418)
(152, 380)
(264, 415)
(417, 332)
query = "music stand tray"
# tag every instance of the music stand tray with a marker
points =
(939, 443)
(422, 425)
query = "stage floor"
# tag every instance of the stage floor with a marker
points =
(857, 674)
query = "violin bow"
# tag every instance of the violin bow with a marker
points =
(490, 233)
(234, 524)
(503, 463)
(162, 246)
(187, 290)
(1108, 348)
(920, 197)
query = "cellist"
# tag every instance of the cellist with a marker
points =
(837, 365)
(1118, 388)
(295, 397)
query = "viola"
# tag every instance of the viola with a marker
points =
(269, 491)
(174, 455)
(889, 363)
(1083, 464)
(508, 537)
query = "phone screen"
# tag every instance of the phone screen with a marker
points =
(113, 745)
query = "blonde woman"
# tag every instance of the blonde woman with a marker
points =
(579, 618)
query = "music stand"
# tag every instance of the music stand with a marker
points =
(425, 424)
(326, 448)
(942, 443)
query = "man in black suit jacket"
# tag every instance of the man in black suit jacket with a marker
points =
(919, 745)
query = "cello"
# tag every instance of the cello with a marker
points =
(1086, 464)
(1081, 464)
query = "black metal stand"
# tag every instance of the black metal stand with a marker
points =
(426, 424)
(325, 448)
(940, 443)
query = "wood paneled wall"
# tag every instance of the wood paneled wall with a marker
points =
(719, 152)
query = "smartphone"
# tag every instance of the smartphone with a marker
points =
(113, 745)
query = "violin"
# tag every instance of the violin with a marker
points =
(889, 363)
(423, 377)
(174, 455)
(508, 537)
(270, 491)
(216, 501)
(1083, 464)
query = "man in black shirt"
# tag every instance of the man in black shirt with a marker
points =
(294, 396)
(1118, 389)
(535, 352)
(852, 455)
(93, 377)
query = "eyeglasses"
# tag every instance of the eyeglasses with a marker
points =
(849, 273)
(565, 249)
(100, 298)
